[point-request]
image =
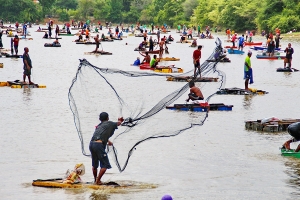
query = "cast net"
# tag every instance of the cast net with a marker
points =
(140, 97)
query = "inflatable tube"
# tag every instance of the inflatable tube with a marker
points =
(294, 130)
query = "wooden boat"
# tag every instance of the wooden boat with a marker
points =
(239, 91)
(275, 57)
(169, 59)
(98, 53)
(52, 45)
(252, 43)
(235, 51)
(189, 78)
(202, 107)
(287, 69)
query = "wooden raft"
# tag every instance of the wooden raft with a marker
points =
(273, 126)
(189, 78)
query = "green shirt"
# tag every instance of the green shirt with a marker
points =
(248, 61)
(152, 62)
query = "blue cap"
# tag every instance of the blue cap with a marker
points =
(166, 197)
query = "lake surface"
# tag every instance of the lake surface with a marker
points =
(219, 160)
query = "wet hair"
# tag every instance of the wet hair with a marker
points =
(191, 84)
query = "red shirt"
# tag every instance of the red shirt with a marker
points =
(197, 55)
(16, 41)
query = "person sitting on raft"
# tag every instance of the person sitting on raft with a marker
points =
(56, 42)
(147, 58)
(182, 39)
(137, 62)
(103, 38)
(170, 38)
(46, 35)
(202, 36)
(294, 130)
(153, 62)
(142, 46)
(194, 43)
(79, 38)
(39, 29)
(195, 92)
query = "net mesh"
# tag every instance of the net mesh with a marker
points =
(131, 94)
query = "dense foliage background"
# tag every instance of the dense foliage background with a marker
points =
(234, 14)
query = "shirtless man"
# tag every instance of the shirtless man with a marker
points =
(97, 42)
(195, 92)
(161, 48)
(147, 58)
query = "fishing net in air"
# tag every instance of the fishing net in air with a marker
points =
(140, 97)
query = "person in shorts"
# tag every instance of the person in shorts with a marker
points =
(247, 67)
(195, 92)
(27, 66)
(288, 55)
(196, 60)
(98, 143)
(16, 44)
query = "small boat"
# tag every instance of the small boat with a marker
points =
(291, 152)
(51, 45)
(169, 59)
(275, 57)
(235, 51)
(201, 107)
(252, 43)
(286, 69)
(98, 53)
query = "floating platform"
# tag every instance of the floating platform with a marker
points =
(264, 48)
(185, 41)
(6, 55)
(23, 38)
(290, 153)
(51, 45)
(169, 59)
(107, 40)
(272, 126)
(87, 43)
(275, 57)
(202, 107)
(66, 34)
(223, 60)
(168, 69)
(287, 69)
(151, 52)
(230, 47)
(19, 84)
(51, 38)
(98, 53)
(239, 91)
(189, 78)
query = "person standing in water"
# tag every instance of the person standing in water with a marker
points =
(247, 70)
(27, 66)
(196, 61)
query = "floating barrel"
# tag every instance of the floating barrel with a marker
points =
(294, 130)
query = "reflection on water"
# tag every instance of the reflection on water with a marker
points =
(98, 196)
(287, 74)
(27, 94)
(293, 171)
(247, 101)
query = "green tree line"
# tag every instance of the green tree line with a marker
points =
(234, 14)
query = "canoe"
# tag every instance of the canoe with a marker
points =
(253, 43)
(235, 51)
(263, 48)
(270, 57)
(169, 59)
(51, 45)
(291, 152)
(287, 69)
(202, 107)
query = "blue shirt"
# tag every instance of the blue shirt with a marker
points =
(137, 62)
(241, 40)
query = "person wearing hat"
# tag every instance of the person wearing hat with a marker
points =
(98, 143)
(247, 70)
(16, 43)
(137, 62)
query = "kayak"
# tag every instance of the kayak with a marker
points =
(270, 57)
(253, 43)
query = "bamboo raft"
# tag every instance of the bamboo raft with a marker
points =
(272, 126)
(189, 78)
(239, 91)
